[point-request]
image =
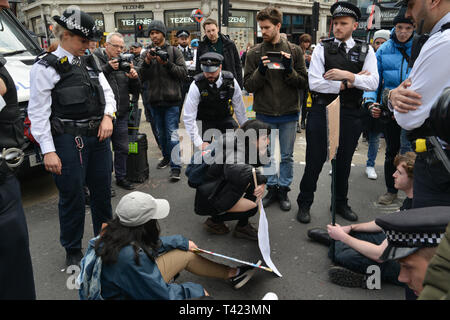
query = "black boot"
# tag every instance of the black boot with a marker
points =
(283, 198)
(271, 196)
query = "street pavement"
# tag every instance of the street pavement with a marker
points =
(303, 263)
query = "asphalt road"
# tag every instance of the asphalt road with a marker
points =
(304, 264)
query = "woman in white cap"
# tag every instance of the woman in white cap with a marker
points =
(136, 263)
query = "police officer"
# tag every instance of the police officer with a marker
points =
(71, 109)
(414, 98)
(16, 272)
(188, 54)
(344, 67)
(413, 236)
(210, 98)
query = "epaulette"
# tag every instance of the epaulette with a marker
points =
(360, 41)
(47, 59)
(199, 76)
(327, 40)
(227, 74)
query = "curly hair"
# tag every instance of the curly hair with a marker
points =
(409, 159)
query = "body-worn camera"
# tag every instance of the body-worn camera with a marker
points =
(125, 61)
(158, 52)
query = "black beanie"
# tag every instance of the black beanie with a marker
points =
(158, 26)
(400, 18)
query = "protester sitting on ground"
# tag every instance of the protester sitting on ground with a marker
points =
(136, 263)
(227, 180)
(359, 246)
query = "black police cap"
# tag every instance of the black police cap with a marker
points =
(79, 23)
(411, 230)
(345, 9)
(211, 59)
(183, 33)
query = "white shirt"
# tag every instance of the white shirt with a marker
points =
(190, 65)
(2, 103)
(316, 71)
(190, 109)
(42, 82)
(429, 76)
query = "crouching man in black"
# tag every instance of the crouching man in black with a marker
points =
(229, 192)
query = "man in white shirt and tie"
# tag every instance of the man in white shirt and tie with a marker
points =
(344, 67)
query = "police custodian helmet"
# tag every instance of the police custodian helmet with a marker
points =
(210, 61)
(79, 23)
(411, 230)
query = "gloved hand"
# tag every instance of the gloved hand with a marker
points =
(262, 68)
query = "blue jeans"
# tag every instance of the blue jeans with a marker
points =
(166, 123)
(374, 141)
(287, 135)
(119, 141)
(94, 169)
(405, 144)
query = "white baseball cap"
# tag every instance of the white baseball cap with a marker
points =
(137, 208)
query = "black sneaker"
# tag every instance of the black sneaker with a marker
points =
(73, 257)
(125, 184)
(245, 274)
(347, 278)
(163, 163)
(175, 174)
(303, 215)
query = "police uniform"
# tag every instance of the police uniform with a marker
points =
(188, 55)
(354, 56)
(211, 103)
(411, 230)
(429, 78)
(69, 96)
(16, 272)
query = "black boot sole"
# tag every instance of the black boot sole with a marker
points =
(346, 278)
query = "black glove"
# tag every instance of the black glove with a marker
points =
(262, 68)
(287, 63)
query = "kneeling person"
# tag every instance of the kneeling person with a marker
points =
(208, 100)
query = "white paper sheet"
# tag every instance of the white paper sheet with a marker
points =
(264, 242)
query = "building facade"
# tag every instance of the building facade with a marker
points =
(121, 16)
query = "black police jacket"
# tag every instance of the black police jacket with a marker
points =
(231, 61)
(78, 94)
(230, 180)
(11, 122)
(214, 102)
(121, 85)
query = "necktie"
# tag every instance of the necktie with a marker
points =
(76, 61)
(342, 47)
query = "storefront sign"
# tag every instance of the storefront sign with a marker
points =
(133, 6)
(176, 19)
(125, 21)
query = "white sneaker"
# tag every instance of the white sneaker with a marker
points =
(371, 174)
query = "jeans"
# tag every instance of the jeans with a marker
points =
(287, 134)
(351, 259)
(94, 169)
(374, 141)
(119, 141)
(166, 123)
(405, 144)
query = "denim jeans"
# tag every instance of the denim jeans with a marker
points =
(405, 144)
(166, 123)
(349, 258)
(287, 134)
(374, 141)
(95, 169)
(119, 141)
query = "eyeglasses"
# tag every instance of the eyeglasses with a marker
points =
(116, 46)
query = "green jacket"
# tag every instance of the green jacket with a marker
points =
(436, 285)
(276, 93)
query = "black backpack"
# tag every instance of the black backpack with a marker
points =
(196, 170)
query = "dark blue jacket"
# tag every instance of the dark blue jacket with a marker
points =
(392, 66)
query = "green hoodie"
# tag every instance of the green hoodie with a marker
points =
(276, 93)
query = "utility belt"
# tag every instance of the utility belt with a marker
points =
(430, 150)
(326, 98)
(85, 127)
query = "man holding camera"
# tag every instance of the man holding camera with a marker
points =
(124, 80)
(164, 69)
(392, 59)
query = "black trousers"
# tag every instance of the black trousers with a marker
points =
(392, 133)
(221, 125)
(242, 217)
(16, 271)
(316, 152)
(431, 183)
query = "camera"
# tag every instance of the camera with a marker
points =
(158, 52)
(125, 60)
